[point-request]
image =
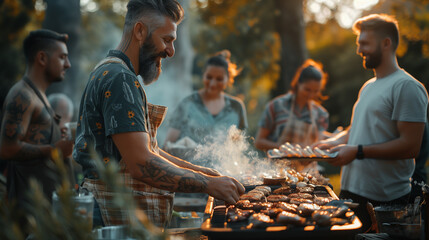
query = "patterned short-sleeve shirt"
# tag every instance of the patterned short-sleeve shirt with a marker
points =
(278, 111)
(113, 102)
(194, 120)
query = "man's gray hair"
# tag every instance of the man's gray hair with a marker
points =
(150, 12)
(56, 98)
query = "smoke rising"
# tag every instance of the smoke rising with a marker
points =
(230, 153)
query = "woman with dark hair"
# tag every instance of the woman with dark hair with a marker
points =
(209, 109)
(297, 116)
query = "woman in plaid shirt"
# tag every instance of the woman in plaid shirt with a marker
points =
(297, 116)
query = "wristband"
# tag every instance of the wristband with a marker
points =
(359, 154)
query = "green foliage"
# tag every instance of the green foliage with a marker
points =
(413, 20)
(44, 223)
(416, 62)
(14, 17)
(9, 222)
(242, 26)
(41, 221)
(247, 29)
(141, 227)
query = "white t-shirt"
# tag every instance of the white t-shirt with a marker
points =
(381, 103)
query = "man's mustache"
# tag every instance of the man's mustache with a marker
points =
(162, 55)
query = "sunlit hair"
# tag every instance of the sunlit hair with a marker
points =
(382, 24)
(222, 59)
(41, 40)
(150, 12)
(310, 70)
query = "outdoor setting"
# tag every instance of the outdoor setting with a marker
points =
(214, 119)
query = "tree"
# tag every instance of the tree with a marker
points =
(64, 16)
(413, 51)
(291, 28)
(247, 29)
(14, 17)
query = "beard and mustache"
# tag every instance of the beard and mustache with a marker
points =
(373, 60)
(54, 75)
(150, 61)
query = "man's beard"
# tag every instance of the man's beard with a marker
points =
(150, 61)
(373, 60)
(53, 78)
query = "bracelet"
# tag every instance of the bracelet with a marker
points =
(360, 155)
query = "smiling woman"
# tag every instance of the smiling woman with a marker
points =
(209, 109)
(297, 116)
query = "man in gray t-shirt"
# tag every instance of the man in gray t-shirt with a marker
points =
(377, 151)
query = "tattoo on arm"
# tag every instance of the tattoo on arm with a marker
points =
(29, 152)
(168, 176)
(13, 130)
(14, 116)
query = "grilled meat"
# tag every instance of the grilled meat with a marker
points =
(286, 218)
(259, 220)
(236, 214)
(298, 201)
(322, 200)
(277, 198)
(306, 209)
(301, 195)
(286, 207)
(283, 190)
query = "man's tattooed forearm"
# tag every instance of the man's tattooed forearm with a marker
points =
(197, 183)
(170, 177)
(29, 152)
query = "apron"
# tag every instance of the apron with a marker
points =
(43, 170)
(300, 132)
(156, 203)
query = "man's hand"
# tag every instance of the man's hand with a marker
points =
(225, 188)
(346, 154)
(66, 146)
(340, 138)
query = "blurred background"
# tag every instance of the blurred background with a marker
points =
(268, 39)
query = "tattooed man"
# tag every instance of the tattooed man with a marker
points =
(117, 122)
(29, 126)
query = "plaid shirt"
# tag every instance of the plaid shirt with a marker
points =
(278, 113)
(156, 203)
(116, 92)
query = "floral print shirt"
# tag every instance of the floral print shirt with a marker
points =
(193, 119)
(113, 102)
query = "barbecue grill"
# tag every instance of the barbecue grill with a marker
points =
(216, 225)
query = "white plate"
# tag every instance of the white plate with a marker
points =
(278, 157)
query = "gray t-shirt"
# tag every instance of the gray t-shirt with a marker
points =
(381, 104)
